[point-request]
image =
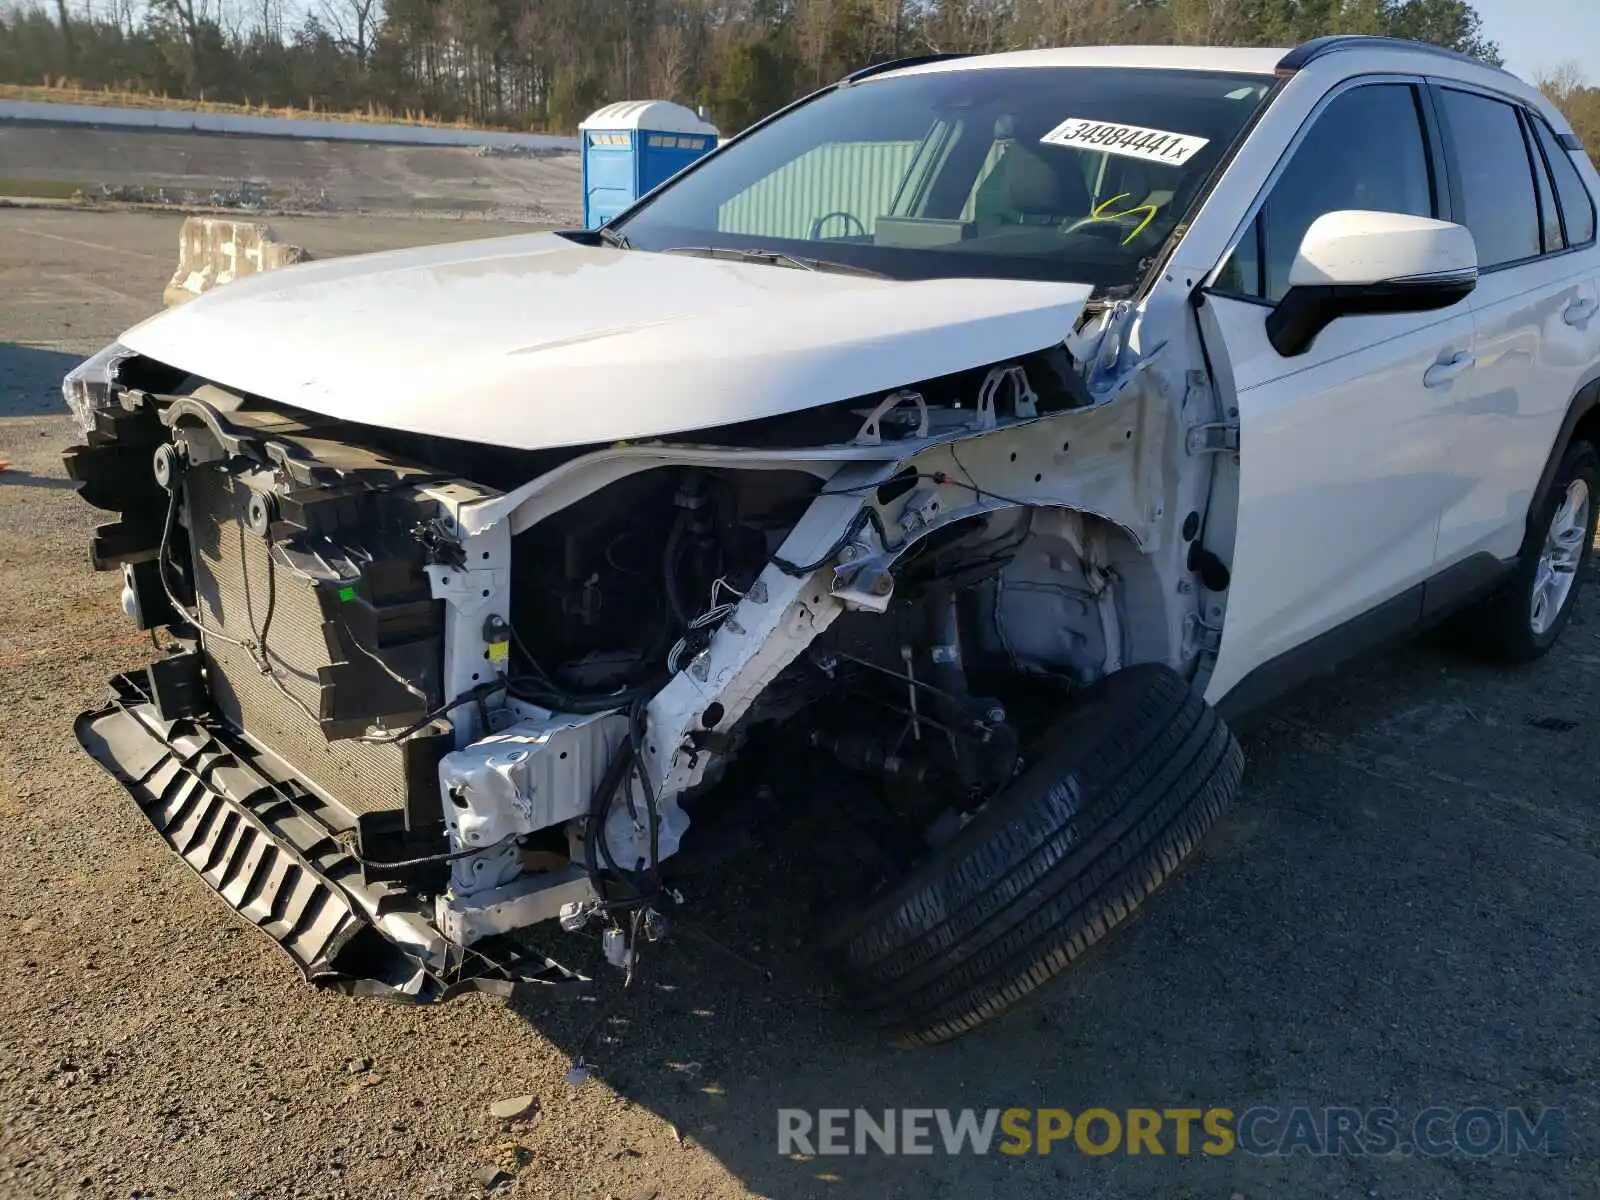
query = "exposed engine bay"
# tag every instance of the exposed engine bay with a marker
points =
(455, 690)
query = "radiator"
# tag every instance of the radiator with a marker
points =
(231, 587)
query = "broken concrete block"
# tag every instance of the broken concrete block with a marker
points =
(215, 250)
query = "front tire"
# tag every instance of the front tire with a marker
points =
(1522, 619)
(1124, 790)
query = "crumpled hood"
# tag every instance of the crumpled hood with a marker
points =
(535, 342)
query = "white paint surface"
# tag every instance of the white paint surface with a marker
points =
(534, 341)
(1230, 59)
(1344, 470)
(1355, 247)
(661, 115)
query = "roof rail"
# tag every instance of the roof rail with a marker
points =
(894, 64)
(1308, 53)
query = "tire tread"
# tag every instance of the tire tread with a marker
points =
(1066, 855)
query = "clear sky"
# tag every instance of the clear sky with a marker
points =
(1535, 35)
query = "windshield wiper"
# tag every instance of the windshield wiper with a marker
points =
(776, 258)
(612, 237)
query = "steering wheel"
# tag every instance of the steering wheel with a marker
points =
(816, 226)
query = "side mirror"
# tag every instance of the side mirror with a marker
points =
(1354, 262)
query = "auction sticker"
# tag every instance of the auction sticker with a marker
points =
(1130, 141)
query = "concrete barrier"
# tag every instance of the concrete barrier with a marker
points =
(50, 113)
(215, 250)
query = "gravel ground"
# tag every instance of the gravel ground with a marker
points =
(1402, 909)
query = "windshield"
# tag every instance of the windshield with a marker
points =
(1060, 173)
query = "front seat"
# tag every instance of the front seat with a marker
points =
(1025, 188)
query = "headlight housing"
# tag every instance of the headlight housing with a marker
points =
(87, 387)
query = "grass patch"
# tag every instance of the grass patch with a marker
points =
(39, 189)
(112, 98)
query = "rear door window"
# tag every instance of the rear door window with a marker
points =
(1498, 200)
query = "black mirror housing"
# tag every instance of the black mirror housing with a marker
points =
(1304, 312)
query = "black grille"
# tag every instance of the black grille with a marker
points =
(231, 587)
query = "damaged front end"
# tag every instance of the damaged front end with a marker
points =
(423, 693)
(274, 852)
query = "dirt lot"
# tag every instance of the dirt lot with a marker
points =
(1403, 910)
(289, 175)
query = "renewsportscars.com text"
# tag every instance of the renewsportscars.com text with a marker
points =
(1435, 1132)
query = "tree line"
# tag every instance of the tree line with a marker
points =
(1564, 84)
(545, 64)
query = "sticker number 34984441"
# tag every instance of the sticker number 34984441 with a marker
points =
(1130, 141)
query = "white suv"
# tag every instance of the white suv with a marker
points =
(920, 476)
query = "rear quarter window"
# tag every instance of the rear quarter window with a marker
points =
(1577, 206)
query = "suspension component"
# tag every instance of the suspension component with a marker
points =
(865, 753)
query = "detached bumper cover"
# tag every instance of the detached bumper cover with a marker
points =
(254, 836)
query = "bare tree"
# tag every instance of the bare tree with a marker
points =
(970, 25)
(269, 19)
(189, 18)
(1210, 22)
(669, 61)
(353, 23)
(122, 15)
(1562, 81)
(811, 33)
(234, 18)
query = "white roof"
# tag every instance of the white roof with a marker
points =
(1247, 60)
(662, 115)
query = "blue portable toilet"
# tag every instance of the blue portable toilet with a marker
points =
(630, 147)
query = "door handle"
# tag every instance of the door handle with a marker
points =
(1445, 370)
(1579, 311)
